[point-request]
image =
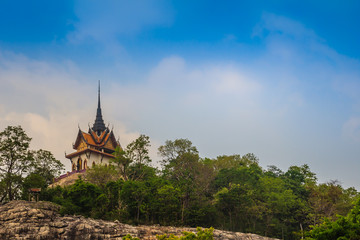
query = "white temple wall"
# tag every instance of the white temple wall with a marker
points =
(88, 162)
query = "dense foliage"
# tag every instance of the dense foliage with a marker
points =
(22, 168)
(229, 192)
(344, 228)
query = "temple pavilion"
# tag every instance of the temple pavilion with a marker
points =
(95, 146)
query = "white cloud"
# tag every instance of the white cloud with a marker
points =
(209, 79)
(233, 81)
(283, 104)
(49, 101)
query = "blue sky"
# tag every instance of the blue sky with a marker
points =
(280, 79)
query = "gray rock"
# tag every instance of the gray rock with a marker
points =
(41, 221)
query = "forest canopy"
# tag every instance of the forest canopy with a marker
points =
(231, 192)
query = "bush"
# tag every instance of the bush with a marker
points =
(129, 237)
(202, 234)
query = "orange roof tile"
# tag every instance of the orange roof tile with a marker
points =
(97, 141)
(88, 138)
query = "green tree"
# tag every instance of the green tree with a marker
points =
(134, 161)
(173, 149)
(41, 173)
(328, 200)
(193, 177)
(46, 165)
(115, 204)
(344, 228)
(122, 162)
(138, 150)
(234, 202)
(183, 173)
(100, 175)
(224, 162)
(134, 195)
(274, 171)
(281, 206)
(82, 198)
(242, 174)
(298, 179)
(168, 205)
(15, 161)
(33, 180)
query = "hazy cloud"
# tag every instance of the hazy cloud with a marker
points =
(291, 103)
(351, 129)
(49, 100)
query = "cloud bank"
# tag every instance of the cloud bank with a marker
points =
(293, 102)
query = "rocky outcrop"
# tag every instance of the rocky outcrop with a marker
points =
(67, 179)
(41, 220)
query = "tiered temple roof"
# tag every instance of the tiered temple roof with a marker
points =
(98, 139)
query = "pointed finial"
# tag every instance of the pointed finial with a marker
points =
(99, 125)
(99, 95)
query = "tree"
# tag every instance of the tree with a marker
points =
(173, 149)
(121, 161)
(167, 204)
(33, 180)
(239, 199)
(274, 171)
(137, 151)
(134, 161)
(280, 207)
(15, 160)
(100, 175)
(223, 162)
(249, 159)
(298, 179)
(328, 200)
(243, 174)
(46, 165)
(82, 198)
(134, 194)
(183, 168)
(343, 228)
(42, 171)
(112, 191)
(235, 203)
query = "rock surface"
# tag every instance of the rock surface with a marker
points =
(67, 179)
(41, 220)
